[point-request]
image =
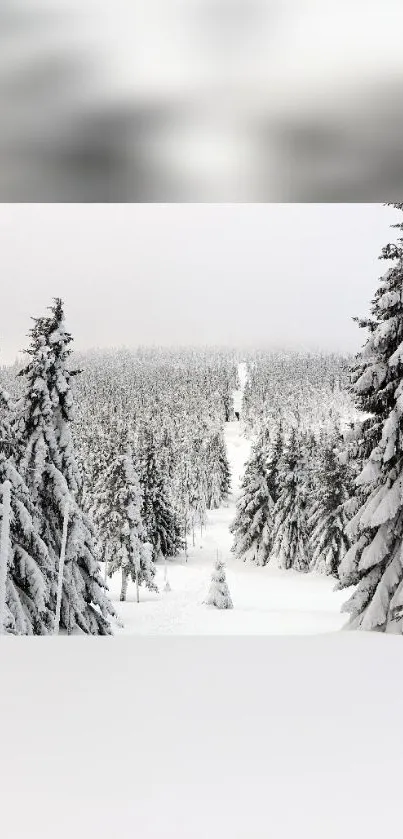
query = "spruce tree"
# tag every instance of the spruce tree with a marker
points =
(252, 527)
(218, 472)
(225, 470)
(327, 522)
(218, 594)
(29, 565)
(49, 468)
(275, 453)
(214, 490)
(290, 528)
(198, 488)
(374, 562)
(184, 491)
(122, 528)
(161, 521)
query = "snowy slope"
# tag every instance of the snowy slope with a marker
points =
(266, 600)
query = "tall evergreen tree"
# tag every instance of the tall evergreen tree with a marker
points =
(198, 487)
(275, 453)
(29, 564)
(290, 529)
(374, 563)
(161, 521)
(253, 524)
(49, 468)
(218, 472)
(224, 467)
(328, 540)
(122, 528)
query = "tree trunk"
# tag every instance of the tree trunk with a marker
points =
(125, 580)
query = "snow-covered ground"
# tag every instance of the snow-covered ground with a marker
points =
(266, 600)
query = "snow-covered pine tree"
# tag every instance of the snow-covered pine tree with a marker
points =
(29, 564)
(161, 521)
(225, 469)
(374, 563)
(183, 489)
(218, 472)
(275, 453)
(311, 452)
(328, 540)
(122, 530)
(49, 468)
(214, 489)
(290, 529)
(253, 524)
(198, 487)
(218, 594)
(167, 452)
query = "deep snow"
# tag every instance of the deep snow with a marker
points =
(266, 600)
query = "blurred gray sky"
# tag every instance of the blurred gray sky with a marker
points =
(200, 100)
(274, 274)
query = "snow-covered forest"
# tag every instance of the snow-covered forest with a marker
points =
(203, 490)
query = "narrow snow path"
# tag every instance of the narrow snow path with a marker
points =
(266, 600)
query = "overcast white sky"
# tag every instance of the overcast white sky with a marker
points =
(288, 274)
(304, 42)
